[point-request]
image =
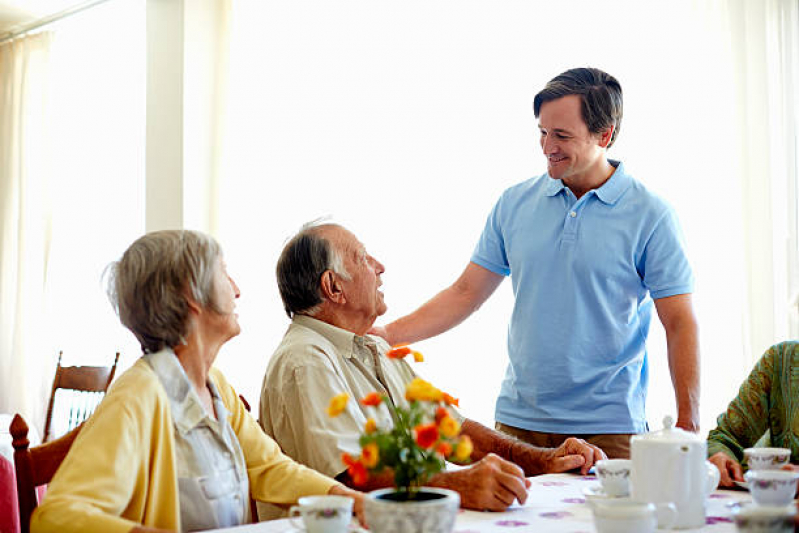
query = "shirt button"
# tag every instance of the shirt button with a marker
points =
(573, 214)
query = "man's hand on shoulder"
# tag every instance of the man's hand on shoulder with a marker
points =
(573, 453)
(491, 484)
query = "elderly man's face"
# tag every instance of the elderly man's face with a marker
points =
(363, 299)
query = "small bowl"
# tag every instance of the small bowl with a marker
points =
(767, 458)
(760, 518)
(772, 487)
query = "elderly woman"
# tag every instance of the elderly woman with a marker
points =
(171, 446)
(767, 400)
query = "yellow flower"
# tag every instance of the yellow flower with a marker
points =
(337, 404)
(421, 390)
(464, 448)
(370, 426)
(370, 454)
(418, 357)
(449, 427)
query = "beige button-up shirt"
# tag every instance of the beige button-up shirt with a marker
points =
(314, 362)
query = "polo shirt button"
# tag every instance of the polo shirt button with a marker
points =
(573, 214)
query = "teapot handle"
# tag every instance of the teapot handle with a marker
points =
(713, 477)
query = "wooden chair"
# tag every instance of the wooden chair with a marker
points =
(90, 381)
(35, 466)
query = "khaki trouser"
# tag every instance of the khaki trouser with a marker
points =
(615, 446)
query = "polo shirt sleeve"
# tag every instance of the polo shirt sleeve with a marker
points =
(664, 264)
(490, 251)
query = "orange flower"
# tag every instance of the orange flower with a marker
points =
(370, 426)
(337, 404)
(418, 357)
(449, 400)
(370, 454)
(373, 399)
(355, 469)
(398, 353)
(426, 435)
(449, 427)
(444, 449)
(400, 345)
(464, 448)
(441, 412)
(421, 390)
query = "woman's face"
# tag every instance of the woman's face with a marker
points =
(224, 320)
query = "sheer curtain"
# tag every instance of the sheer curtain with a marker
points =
(25, 218)
(72, 188)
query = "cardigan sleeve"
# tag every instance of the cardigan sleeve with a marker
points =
(747, 416)
(274, 477)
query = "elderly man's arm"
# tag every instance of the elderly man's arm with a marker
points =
(682, 338)
(445, 310)
(573, 453)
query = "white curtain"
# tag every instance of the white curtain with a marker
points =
(25, 221)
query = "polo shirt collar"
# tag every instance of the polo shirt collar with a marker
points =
(187, 410)
(608, 193)
(344, 341)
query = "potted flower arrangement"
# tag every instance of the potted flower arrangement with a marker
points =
(423, 436)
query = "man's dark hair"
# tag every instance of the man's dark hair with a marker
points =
(600, 96)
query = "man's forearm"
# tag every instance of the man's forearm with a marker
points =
(446, 309)
(487, 440)
(683, 347)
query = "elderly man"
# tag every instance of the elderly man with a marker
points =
(330, 288)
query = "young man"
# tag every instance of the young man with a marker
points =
(588, 249)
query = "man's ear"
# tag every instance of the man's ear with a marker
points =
(606, 136)
(331, 288)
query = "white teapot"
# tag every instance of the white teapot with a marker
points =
(671, 466)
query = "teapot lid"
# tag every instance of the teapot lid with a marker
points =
(669, 433)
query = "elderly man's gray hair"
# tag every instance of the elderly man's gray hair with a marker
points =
(304, 259)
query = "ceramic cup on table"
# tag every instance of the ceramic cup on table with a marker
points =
(766, 458)
(764, 519)
(772, 487)
(614, 475)
(322, 514)
(623, 515)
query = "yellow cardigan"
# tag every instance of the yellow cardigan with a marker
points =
(121, 470)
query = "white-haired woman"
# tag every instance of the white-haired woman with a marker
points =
(172, 446)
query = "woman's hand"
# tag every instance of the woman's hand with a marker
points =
(357, 506)
(729, 469)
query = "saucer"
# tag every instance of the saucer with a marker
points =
(594, 493)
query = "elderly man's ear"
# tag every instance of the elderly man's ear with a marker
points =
(331, 287)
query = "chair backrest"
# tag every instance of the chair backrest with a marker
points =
(90, 381)
(35, 466)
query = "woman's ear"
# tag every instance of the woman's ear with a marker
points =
(194, 307)
(331, 287)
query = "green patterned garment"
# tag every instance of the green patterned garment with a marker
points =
(767, 401)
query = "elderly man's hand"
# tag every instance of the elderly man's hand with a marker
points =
(573, 453)
(491, 484)
(729, 469)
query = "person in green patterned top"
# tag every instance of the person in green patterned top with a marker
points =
(767, 400)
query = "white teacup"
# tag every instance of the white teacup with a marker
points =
(772, 487)
(322, 514)
(765, 519)
(767, 458)
(627, 516)
(614, 475)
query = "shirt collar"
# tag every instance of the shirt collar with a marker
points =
(609, 192)
(187, 410)
(343, 340)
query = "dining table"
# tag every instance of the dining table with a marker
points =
(558, 503)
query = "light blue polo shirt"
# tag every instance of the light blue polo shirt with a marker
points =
(584, 273)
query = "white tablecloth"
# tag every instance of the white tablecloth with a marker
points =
(556, 503)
